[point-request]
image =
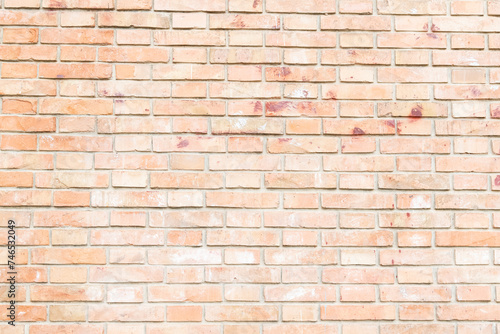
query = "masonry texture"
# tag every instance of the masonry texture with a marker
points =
(251, 166)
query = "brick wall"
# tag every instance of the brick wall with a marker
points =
(251, 166)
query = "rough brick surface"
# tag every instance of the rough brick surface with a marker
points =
(251, 166)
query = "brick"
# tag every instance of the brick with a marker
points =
(469, 238)
(66, 293)
(98, 313)
(312, 126)
(358, 127)
(411, 40)
(354, 312)
(290, 108)
(300, 328)
(363, 276)
(299, 22)
(411, 23)
(316, 6)
(349, 92)
(415, 257)
(474, 293)
(244, 21)
(242, 90)
(95, 4)
(113, 274)
(299, 74)
(415, 275)
(415, 294)
(242, 238)
(231, 312)
(243, 256)
(412, 57)
(348, 22)
(244, 56)
(298, 256)
(133, 89)
(20, 35)
(357, 294)
(76, 36)
(133, 55)
(243, 274)
(367, 201)
(189, 55)
(247, 126)
(136, 20)
(300, 293)
(300, 39)
(356, 40)
(68, 256)
(417, 328)
(462, 312)
(300, 219)
(193, 38)
(418, 8)
(357, 238)
(300, 313)
(463, 58)
(357, 220)
(77, 19)
(351, 57)
(355, 7)
(415, 220)
(28, 275)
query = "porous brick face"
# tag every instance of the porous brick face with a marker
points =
(251, 166)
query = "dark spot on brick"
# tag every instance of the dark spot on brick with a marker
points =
(58, 4)
(118, 101)
(408, 214)
(285, 71)
(434, 27)
(238, 22)
(284, 140)
(352, 52)
(183, 143)
(275, 107)
(391, 123)
(426, 26)
(475, 91)
(357, 131)
(497, 180)
(495, 113)
(433, 36)
(60, 76)
(255, 3)
(331, 95)
(392, 261)
(305, 93)
(257, 108)
(416, 112)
